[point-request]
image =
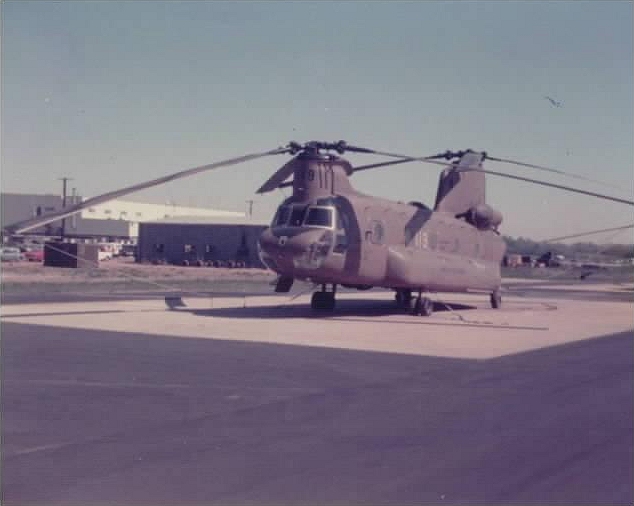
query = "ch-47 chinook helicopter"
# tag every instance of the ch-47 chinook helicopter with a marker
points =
(330, 234)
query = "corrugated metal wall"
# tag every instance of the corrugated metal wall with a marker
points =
(175, 243)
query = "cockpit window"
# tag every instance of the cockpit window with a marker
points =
(319, 217)
(282, 216)
(297, 216)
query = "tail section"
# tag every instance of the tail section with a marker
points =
(461, 193)
(458, 192)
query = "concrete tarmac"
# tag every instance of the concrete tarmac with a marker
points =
(256, 401)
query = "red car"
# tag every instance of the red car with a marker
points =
(34, 255)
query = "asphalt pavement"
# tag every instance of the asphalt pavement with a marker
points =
(99, 417)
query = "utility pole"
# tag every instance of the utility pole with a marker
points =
(250, 202)
(64, 181)
(73, 201)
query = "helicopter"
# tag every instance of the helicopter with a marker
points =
(331, 235)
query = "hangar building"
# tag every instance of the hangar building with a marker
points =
(113, 220)
(221, 241)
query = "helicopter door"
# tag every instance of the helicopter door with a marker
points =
(373, 246)
(477, 254)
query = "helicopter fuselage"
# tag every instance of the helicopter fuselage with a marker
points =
(358, 240)
(331, 234)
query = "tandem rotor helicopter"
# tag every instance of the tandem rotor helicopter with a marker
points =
(332, 235)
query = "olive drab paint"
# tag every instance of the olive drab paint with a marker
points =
(405, 247)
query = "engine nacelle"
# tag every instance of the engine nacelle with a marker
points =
(485, 217)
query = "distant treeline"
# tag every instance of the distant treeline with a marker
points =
(523, 246)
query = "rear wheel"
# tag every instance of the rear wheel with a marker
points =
(323, 301)
(496, 299)
(423, 306)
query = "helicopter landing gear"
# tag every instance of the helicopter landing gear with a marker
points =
(496, 299)
(403, 298)
(422, 306)
(323, 300)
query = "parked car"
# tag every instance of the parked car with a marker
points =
(28, 247)
(34, 255)
(104, 254)
(10, 254)
(127, 250)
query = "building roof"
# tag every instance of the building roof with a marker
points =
(141, 211)
(210, 220)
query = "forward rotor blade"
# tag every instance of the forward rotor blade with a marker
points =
(26, 225)
(383, 164)
(355, 149)
(548, 169)
(371, 166)
(552, 185)
(404, 159)
(279, 177)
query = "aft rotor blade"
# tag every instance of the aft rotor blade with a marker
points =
(548, 169)
(501, 174)
(432, 159)
(593, 232)
(26, 225)
(552, 185)
(279, 177)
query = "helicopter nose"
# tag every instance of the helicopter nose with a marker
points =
(304, 250)
(278, 243)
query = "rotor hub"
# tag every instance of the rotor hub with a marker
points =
(313, 147)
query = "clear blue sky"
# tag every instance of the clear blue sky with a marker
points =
(113, 93)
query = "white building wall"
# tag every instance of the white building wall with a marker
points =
(116, 218)
(137, 211)
(122, 217)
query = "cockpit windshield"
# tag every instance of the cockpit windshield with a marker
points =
(281, 217)
(298, 215)
(319, 217)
